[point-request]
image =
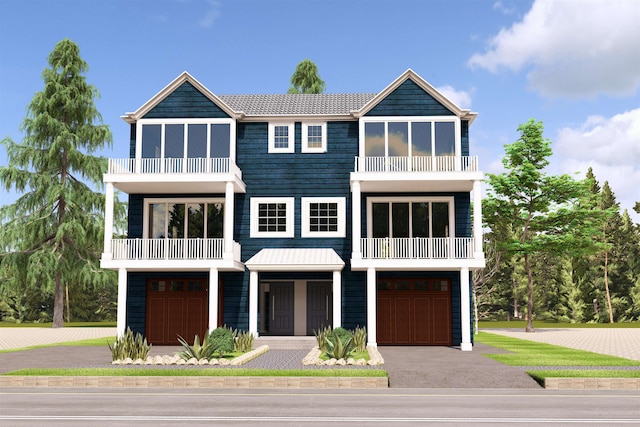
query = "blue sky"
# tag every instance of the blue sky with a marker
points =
(573, 64)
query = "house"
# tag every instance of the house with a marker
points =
(279, 214)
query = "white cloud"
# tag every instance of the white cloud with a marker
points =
(572, 48)
(211, 14)
(504, 8)
(459, 97)
(611, 146)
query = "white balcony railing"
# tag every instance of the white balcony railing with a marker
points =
(417, 164)
(170, 166)
(417, 248)
(169, 249)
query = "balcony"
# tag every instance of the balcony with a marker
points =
(416, 173)
(169, 175)
(166, 254)
(417, 253)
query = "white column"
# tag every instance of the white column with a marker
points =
(356, 218)
(477, 218)
(121, 326)
(465, 311)
(213, 299)
(228, 218)
(371, 307)
(337, 299)
(108, 220)
(253, 303)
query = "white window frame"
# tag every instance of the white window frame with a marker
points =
(444, 199)
(272, 138)
(305, 137)
(187, 122)
(410, 119)
(306, 211)
(255, 205)
(149, 201)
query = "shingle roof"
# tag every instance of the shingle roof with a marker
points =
(297, 104)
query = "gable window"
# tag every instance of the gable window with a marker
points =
(281, 138)
(314, 137)
(184, 139)
(323, 217)
(417, 217)
(407, 142)
(272, 217)
(184, 218)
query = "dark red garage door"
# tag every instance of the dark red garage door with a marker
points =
(414, 312)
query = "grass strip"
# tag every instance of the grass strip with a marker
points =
(91, 342)
(541, 375)
(215, 372)
(531, 353)
(551, 324)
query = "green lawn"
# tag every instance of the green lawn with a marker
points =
(198, 372)
(530, 353)
(521, 324)
(92, 342)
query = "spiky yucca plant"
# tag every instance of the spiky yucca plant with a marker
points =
(360, 338)
(321, 337)
(130, 346)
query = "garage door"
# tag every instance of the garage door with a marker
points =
(176, 307)
(414, 312)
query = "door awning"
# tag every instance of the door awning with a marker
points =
(295, 259)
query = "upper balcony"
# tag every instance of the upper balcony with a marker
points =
(169, 175)
(416, 173)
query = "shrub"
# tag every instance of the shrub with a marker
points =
(341, 333)
(321, 337)
(222, 340)
(130, 346)
(204, 351)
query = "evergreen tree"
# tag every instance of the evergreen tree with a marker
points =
(544, 210)
(52, 236)
(305, 79)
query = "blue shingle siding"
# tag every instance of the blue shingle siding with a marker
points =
(409, 99)
(464, 137)
(132, 141)
(186, 102)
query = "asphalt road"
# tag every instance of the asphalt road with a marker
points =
(406, 407)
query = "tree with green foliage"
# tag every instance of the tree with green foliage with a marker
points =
(545, 211)
(52, 236)
(305, 79)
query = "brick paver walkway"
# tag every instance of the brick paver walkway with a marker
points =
(28, 337)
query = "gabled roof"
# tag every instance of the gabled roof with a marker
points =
(259, 106)
(464, 114)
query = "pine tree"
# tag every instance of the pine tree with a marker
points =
(305, 79)
(52, 235)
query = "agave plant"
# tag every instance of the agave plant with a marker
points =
(336, 348)
(198, 351)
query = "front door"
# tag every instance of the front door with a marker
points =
(319, 313)
(281, 306)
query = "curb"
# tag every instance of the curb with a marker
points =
(591, 383)
(195, 382)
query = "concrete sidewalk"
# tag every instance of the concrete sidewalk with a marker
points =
(621, 342)
(11, 338)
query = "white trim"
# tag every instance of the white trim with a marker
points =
(122, 302)
(465, 311)
(214, 286)
(185, 200)
(306, 209)
(256, 201)
(372, 307)
(291, 134)
(305, 137)
(409, 199)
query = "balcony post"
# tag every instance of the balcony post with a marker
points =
(108, 221)
(465, 310)
(356, 218)
(371, 307)
(253, 303)
(477, 219)
(337, 299)
(121, 324)
(228, 220)
(213, 299)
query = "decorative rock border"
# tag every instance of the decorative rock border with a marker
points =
(177, 360)
(313, 358)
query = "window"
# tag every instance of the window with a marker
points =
(179, 219)
(323, 216)
(314, 137)
(420, 217)
(272, 217)
(185, 138)
(415, 137)
(281, 138)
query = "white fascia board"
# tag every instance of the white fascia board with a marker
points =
(170, 88)
(464, 114)
(298, 118)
